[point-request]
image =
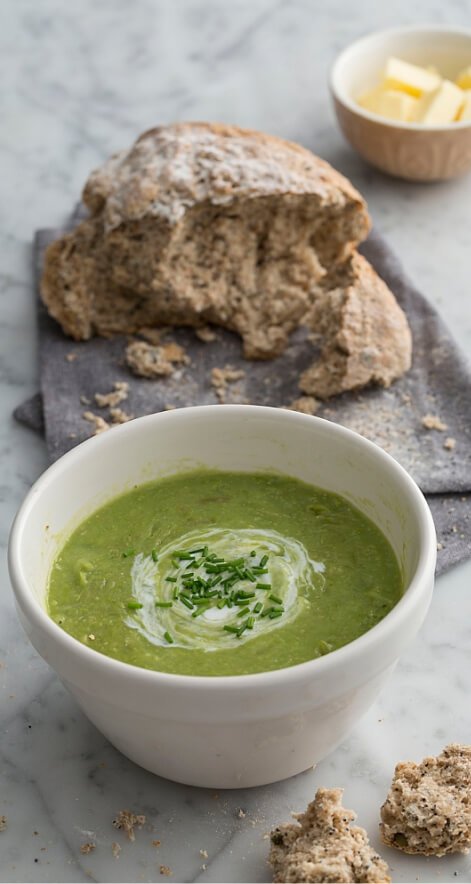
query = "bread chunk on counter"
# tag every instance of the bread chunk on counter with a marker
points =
(323, 846)
(428, 808)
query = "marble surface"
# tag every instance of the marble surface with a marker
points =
(79, 81)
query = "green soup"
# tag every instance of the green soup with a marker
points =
(215, 573)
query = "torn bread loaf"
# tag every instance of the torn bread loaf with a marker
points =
(363, 334)
(203, 223)
(323, 846)
(428, 808)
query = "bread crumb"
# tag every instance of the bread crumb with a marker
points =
(100, 425)
(221, 377)
(84, 400)
(118, 416)
(92, 637)
(433, 422)
(323, 846)
(165, 870)
(3, 823)
(204, 854)
(427, 810)
(118, 394)
(205, 334)
(152, 335)
(115, 849)
(449, 443)
(152, 361)
(127, 821)
(88, 847)
(305, 404)
(155, 843)
(439, 545)
(241, 814)
(175, 353)
(71, 357)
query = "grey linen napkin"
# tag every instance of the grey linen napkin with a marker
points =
(439, 383)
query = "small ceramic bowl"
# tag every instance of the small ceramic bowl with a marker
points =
(230, 731)
(406, 150)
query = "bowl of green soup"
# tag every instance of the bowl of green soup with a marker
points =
(224, 589)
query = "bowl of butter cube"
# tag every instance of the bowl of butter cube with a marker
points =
(403, 100)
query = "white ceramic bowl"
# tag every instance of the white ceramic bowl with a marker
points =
(234, 731)
(407, 150)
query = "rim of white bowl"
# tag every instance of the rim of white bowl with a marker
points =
(399, 613)
(342, 96)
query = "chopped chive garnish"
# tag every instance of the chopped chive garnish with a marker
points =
(171, 579)
(263, 561)
(168, 638)
(263, 586)
(185, 601)
(266, 612)
(154, 554)
(273, 614)
(260, 570)
(241, 629)
(234, 629)
(134, 606)
(250, 622)
(253, 553)
(200, 611)
(128, 552)
(275, 598)
(199, 601)
(175, 592)
(257, 608)
(250, 575)
(221, 603)
(246, 595)
(163, 604)
(243, 612)
(193, 552)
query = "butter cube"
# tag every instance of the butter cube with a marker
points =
(463, 79)
(370, 100)
(409, 78)
(442, 106)
(465, 113)
(397, 105)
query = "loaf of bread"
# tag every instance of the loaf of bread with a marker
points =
(203, 223)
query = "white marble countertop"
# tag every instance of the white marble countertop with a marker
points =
(81, 80)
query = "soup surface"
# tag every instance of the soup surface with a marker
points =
(218, 573)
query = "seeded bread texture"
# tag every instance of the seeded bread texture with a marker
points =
(428, 808)
(323, 846)
(201, 224)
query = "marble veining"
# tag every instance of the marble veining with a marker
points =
(79, 81)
